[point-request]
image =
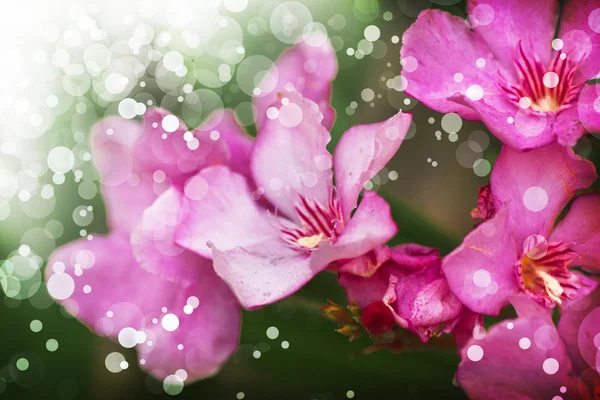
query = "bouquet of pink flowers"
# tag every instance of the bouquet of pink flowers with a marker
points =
(207, 222)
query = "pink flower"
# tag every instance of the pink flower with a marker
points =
(519, 249)
(269, 233)
(404, 282)
(265, 256)
(528, 358)
(134, 284)
(502, 67)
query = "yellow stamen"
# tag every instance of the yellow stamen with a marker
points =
(311, 242)
(545, 104)
(536, 280)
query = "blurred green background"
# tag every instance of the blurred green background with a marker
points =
(431, 199)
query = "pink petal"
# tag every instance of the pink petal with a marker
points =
(362, 152)
(364, 291)
(308, 67)
(264, 273)
(579, 328)
(112, 141)
(239, 143)
(504, 23)
(536, 186)
(290, 155)
(164, 147)
(425, 301)
(569, 127)
(367, 264)
(116, 281)
(204, 339)
(370, 227)
(122, 295)
(136, 164)
(126, 201)
(498, 367)
(588, 108)
(516, 127)
(435, 36)
(581, 227)
(481, 271)
(579, 31)
(153, 241)
(527, 307)
(414, 257)
(221, 211)
(469, 325)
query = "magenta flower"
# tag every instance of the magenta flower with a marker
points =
(134, 284)
(502, 67)
(528, 358)
(519, 249)
(265, 256)
(408, 280)
(269, 233)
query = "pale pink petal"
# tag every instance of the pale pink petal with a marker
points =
(100, 283)
(105, 267)
(164, 147)
(204, 339)
(240, 144)
(581, 227)
(112, 142)
(153, 243)
(579, 31)
(127, 190)
(481, 271)
(424, 300)
(536, 186)
(222, 211)
(362, 152)
(517, 359)
(414, 257)
(505, 23)
(136, 164)
(436, 35)
(264, 273)
(126, 201)
(370, 227)
(290, 155)
(579, 327)
(588, 108)
(308, 67)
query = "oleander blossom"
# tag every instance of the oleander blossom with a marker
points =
(134, 284)
(504, 67)
(265, 252)
(518, 248)
(529, 358)
(403, 284)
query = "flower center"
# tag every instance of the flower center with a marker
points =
(543, 271)
(318, 223)
(543, 89)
